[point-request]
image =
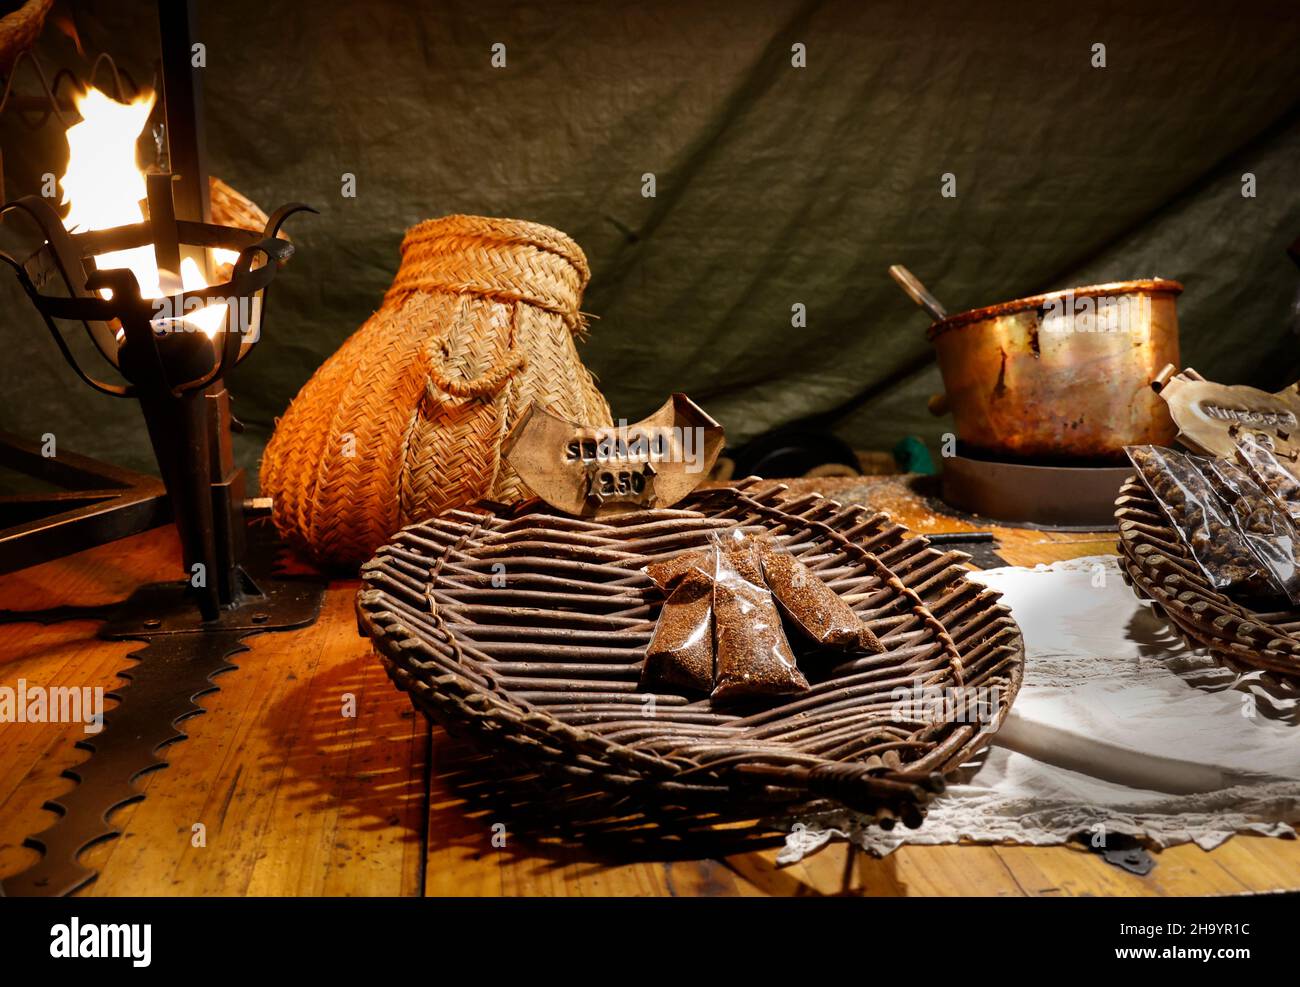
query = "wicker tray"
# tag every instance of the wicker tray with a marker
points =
(527, 630)
(1159, 567)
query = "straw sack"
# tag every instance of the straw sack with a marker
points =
(407, 418)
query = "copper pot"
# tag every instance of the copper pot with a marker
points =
(1061, 376)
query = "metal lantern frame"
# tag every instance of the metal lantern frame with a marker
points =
(180, 391)
(126, 319)
(178, 376)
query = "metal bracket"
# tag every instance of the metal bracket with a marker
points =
(1122, 851)
(96, 503)
(981, 546)
(166, 609)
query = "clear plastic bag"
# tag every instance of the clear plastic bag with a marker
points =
(1203, 521)
(753, 657)
(1261, 521)
(1260, 461)
(681, 651)
(667, 574)
(811, 605)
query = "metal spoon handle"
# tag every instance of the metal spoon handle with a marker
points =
(916, 291)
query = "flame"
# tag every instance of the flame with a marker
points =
(103, 187)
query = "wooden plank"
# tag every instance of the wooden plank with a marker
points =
(475, 850)
(34, 755)
(294, 797)
(953, 870)
(460, 859)
(1070, 872)
(298, 799)
(1260, 863)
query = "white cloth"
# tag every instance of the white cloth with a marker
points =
(1118, 725)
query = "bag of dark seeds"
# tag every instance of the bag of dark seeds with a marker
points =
(666, 575)
(1261, 521)
(753, 656)
(681, 651)
(1203, 521)
(811, 605)
(1263, 465)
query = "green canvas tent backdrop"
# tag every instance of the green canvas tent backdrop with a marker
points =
(775, 185)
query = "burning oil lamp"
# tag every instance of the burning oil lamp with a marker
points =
(140, 290)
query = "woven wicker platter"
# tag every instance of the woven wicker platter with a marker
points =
(1159, 567)
(527, 630)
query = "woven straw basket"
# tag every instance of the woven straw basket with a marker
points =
(230, 207)
(19, 30)
(407, 419)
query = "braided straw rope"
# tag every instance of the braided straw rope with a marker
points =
(406, 420)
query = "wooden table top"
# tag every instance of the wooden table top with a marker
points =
(297, 799)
